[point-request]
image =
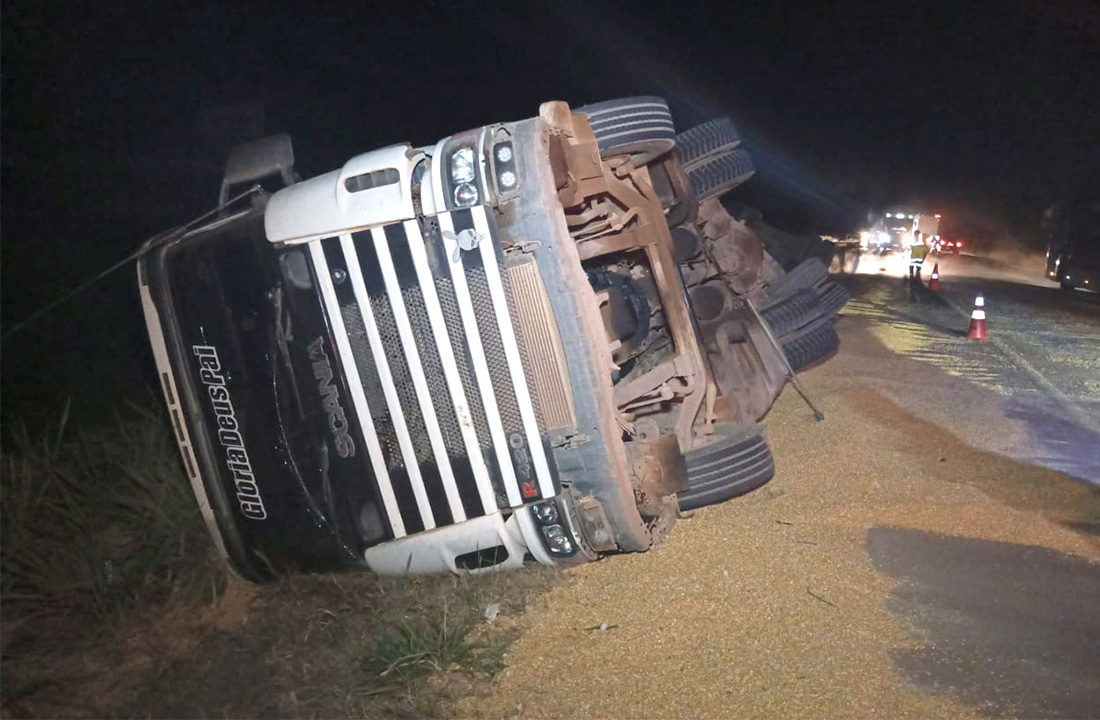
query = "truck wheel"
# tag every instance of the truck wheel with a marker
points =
(812, 343)
(712, 138)
(637, 126)
(791, 313)
(1066, 285)
(737, 461)
(832, 297)
(719, 175)
(806, 274)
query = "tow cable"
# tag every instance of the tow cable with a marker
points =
(151, 244)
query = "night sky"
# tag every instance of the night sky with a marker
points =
(117, 116)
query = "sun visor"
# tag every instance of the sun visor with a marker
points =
(371, 189)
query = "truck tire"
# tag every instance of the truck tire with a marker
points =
(637, 126)
(720, 174)
(736, 462)
(810, 344)
(832, 297)
(791, 313)
(714, 137)
(807, 274)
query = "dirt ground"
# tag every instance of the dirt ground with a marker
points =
(769, 605)
(300, 648)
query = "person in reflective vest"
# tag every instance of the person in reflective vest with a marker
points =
(917, 252)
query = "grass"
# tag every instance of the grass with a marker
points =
(97, 527)
(98, 523)
(104, 559)
(433, 643)
(416, 647)
(425, 644)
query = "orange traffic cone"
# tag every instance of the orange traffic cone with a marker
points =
(934, 281)
(977, 319)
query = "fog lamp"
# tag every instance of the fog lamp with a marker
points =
(466, 195)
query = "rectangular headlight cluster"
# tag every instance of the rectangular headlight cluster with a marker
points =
(463, 171)
(554, 534)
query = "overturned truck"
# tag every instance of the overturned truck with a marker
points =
(533, 340)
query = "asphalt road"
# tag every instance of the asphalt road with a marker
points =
(1045, 356)
(929, 550)
(1011, 628)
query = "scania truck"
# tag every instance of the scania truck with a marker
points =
(457, 357)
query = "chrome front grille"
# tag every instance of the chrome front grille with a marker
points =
(425, 338)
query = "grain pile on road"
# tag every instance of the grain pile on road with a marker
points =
(769, 605)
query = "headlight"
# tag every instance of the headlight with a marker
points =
(466, 195)
(557, 541)
(554, 535)
(546, 512)
(505, 164)
(462, 166)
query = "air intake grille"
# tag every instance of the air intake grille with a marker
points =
(540, 346)
(446, 292)
(494, 348)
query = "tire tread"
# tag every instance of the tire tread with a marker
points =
(722, 173)
(713, 137)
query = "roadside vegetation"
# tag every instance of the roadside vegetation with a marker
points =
(114, 602)
(99, 523)
(97, 529)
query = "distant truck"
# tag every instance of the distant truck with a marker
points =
(896, 230)
(1072, 233)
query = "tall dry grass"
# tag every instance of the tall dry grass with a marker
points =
(99, 522)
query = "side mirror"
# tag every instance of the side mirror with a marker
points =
(256, 160)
